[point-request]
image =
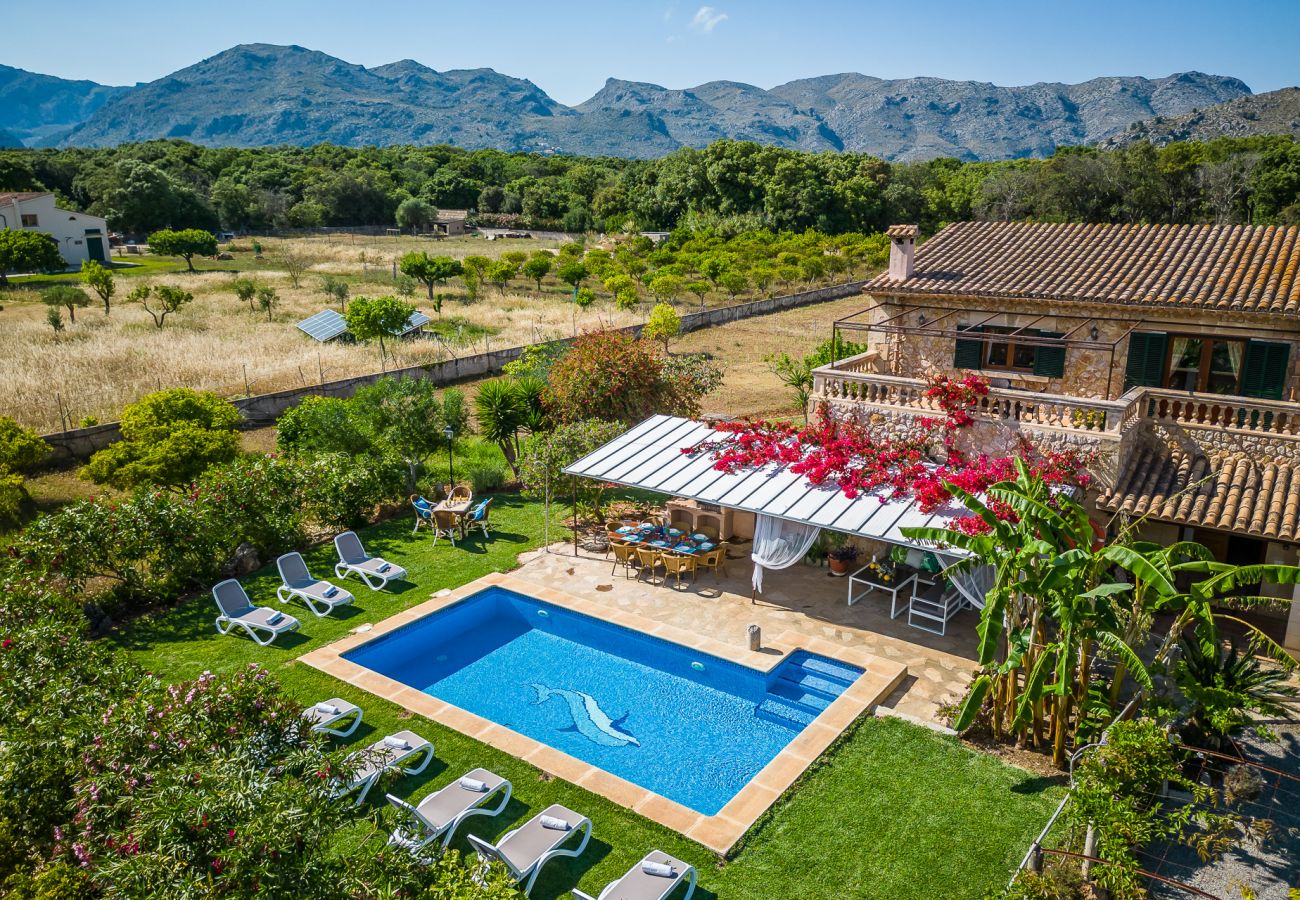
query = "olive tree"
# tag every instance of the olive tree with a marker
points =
(99, 279)
(68, 296)
(377, 318)
(187, 244)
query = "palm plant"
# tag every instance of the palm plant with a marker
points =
(1053, 608)
(508, 409)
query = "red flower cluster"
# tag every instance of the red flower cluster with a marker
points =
(848, 455)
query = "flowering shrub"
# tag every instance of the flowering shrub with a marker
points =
(613, 376)
(116, 784)
(845, 453)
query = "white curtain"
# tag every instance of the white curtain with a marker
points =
(779, 544)
(973, 584)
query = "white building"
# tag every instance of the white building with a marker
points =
(79, 237)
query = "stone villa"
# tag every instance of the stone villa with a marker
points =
(1172, 352)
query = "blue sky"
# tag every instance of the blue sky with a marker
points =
(569, 48)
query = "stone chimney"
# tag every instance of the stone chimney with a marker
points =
(902, 251)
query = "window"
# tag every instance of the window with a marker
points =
(1013, 354)
(1009, 354)
(1208, 365)
(29, 220)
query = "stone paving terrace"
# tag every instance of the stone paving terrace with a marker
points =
(801, 599)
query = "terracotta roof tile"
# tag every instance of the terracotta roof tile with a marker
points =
(1245, 268)
(1241, 494)
(6, 196)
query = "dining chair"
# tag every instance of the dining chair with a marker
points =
(708, 531)
(625, 555)
(677, 564)
(712, 559)
(445, 524)
(648, 560)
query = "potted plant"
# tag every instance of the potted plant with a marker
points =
(842, 557)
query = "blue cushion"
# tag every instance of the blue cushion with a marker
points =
(421, 504)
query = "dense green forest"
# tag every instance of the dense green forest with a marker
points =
(729, 186)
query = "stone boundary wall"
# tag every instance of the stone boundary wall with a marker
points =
(263, 409)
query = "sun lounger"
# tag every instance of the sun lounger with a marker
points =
(321, 597)
(328, 717)
(653, 878)
(397, 751)
(353, 559)
(440, 813)
(236, 610)
(526, 849)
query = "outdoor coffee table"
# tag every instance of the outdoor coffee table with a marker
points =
(869, 580)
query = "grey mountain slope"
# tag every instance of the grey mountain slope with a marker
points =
(918, 118)
(34, 107)
(1276, 112)
(263, 94)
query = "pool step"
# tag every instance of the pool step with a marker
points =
(810, 682)
(783, 713)
(792, 693)
(828, 669)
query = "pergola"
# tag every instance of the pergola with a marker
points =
(654, 456)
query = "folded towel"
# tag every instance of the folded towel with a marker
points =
(275, 618)
(473, 784)
(332, 591)
(663, 870)
(552, 822)
(328, 708)
(385, 567)
(396, 743)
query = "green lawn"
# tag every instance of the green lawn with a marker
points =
(893, 811)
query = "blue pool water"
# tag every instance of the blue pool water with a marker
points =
(688, 726)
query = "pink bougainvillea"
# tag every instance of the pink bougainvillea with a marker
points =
(846, 454)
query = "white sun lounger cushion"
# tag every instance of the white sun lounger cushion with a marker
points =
(663, 870)
(552, 822)
(473, 784)
(396, 743)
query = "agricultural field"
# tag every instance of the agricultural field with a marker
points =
(91, 369)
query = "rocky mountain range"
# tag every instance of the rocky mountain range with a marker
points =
(261, 94)
(1277, 112)
(39, 109)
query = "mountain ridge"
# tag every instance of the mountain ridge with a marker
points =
(266, 94)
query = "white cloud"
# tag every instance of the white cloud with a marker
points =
(706, 19)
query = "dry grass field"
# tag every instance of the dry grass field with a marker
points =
(101, 363)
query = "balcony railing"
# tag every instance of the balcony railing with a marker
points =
(846, 381)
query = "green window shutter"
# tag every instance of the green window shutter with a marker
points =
(1146, 359)
(1263, 373)
(968, 354)
(1050, 361)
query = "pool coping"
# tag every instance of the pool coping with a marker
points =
(720, 831)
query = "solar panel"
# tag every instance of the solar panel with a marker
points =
(324, 326)
(417, 320)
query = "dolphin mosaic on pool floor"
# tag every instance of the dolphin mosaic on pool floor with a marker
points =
(718, 832)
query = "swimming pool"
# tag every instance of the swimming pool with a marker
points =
(688, 726)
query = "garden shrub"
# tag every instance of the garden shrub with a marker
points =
(21, 450)
(546, 454)
(145, 548)
(612, 376)
(115, 784)
(340, 491)
(257, 499)
(168, 438)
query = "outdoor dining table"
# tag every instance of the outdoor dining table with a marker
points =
(459, 509)
(668, 539)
